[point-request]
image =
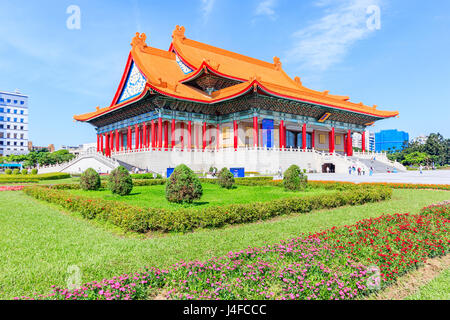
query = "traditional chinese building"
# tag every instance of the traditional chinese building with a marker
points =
(202, 105)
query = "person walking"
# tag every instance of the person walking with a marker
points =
(371, 171)
(359, 171)
(420, 169)
(349, 170)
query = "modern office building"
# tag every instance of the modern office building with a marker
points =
(13, 123)
(390, 140)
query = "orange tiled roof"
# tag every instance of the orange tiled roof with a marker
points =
(164, 75)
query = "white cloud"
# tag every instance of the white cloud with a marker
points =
(326, 41)
(266, 8)
(206, 7)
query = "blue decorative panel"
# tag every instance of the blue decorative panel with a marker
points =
(238, 172)
(267, 134)
(182, 66)
(135, 84)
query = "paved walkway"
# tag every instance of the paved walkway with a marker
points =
(428, 177)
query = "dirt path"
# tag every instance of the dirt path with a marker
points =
(411, 282)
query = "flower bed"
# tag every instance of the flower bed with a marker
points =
(142, 220)
(442, 209)
(346, 262)
(11, 188)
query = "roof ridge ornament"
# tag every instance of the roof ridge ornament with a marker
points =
(138, 41)
(298, 81)
(179, 32)
(277, 63)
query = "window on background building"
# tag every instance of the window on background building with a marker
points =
(21, 111)
(22, 102)
(1, 126)
(2, 110)
(8, 100)
(2, 119)
(8, 126)
(15, 119)
(15, 135)
(8, 143)
(15, 143)
(21, 144)
(2, 100)
(21, 136)
(15, 127)
(8, 135)
(21, 120)
(15, 101)
(8, 110)
(15, 111)
(21, 127)
(338, 140)
(1, 134)
(8, 119)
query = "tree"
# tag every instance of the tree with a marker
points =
(437, 147)
(416, 158)
(183, 186)
(225, 178)
(294, 179)
(120, 181)
(90, 180)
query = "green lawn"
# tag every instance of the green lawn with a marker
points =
(436, 289)
(213, 195)
(38, 242)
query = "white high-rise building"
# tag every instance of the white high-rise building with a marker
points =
(370, 140)
(13, 123)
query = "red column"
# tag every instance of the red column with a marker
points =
(182, 135)
(349, 144)
(101, 143)
(117, 141)
(282, 142)
(204, 136)
(173, 133)
(98, 143)
(313, 139)
(121, 141)
(111, 143)
(160, 133)
(304, 136)
(363, 141)
(166, 135)
(144, 135)
(189, 141)
(255, 132)
(218, 136)
(197, 137)
(235, 131)
(331, 142)
(129, 138)
(153, 134)
(107, 145)
(148, 136)
(345, 144)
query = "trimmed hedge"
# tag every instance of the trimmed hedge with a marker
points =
(142, 220)
(225, 179)
(29, 178)
(90, 180)
(120, 182)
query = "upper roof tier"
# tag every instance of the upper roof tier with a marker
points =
(169, 73)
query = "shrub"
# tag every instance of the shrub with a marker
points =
(142, 220)
(183, 186)
(142, 176)
(8, 171)
(294, 179)
(90, 180)
(120, 181)
(34, 171)
(24, 171)
(16, 171)
(225, 178)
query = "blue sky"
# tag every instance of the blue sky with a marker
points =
(404, 65)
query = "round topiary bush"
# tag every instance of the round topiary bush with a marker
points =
(294, 179)
(183, 186)
(24, 171)
(8, 171)
(90, 180)
(120, 181)
(34, 171)
(225, 178)
(16, 171)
